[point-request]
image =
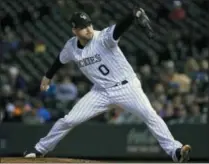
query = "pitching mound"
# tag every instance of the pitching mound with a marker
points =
(44, 160)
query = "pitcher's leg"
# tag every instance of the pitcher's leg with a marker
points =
(59, 130)
(92, 104)
(135, 101)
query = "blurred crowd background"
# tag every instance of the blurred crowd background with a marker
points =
(173, 67)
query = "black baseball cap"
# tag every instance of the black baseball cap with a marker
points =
(80, 20)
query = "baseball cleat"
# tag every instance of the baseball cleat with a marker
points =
(182, 153)
(32, 154)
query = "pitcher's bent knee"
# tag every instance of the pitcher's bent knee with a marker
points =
(70, 122)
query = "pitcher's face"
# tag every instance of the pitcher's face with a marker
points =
(85, 33)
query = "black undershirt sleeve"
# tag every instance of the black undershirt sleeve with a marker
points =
(54, 68)
(123, 25)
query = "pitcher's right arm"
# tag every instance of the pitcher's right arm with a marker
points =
(63, 58)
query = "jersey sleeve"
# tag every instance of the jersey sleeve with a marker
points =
(107, 37)
(66, 53)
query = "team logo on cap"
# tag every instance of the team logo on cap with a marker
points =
(83, 16)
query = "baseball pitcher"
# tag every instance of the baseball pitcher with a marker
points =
(99, 57)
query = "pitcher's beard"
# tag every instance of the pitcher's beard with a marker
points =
(86, 39)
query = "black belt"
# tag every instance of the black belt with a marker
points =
(121, 83)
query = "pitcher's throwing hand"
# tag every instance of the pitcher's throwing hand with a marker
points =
(45, 83)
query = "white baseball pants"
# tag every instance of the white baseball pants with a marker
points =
(130, 97)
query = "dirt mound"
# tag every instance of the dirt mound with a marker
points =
(44, 160)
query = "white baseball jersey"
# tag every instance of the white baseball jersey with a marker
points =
(101, 60)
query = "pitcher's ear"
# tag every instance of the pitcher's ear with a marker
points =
(74, 31)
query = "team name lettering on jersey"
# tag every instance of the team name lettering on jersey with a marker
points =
(90, 60)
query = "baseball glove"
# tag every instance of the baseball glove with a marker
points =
(143, 20)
